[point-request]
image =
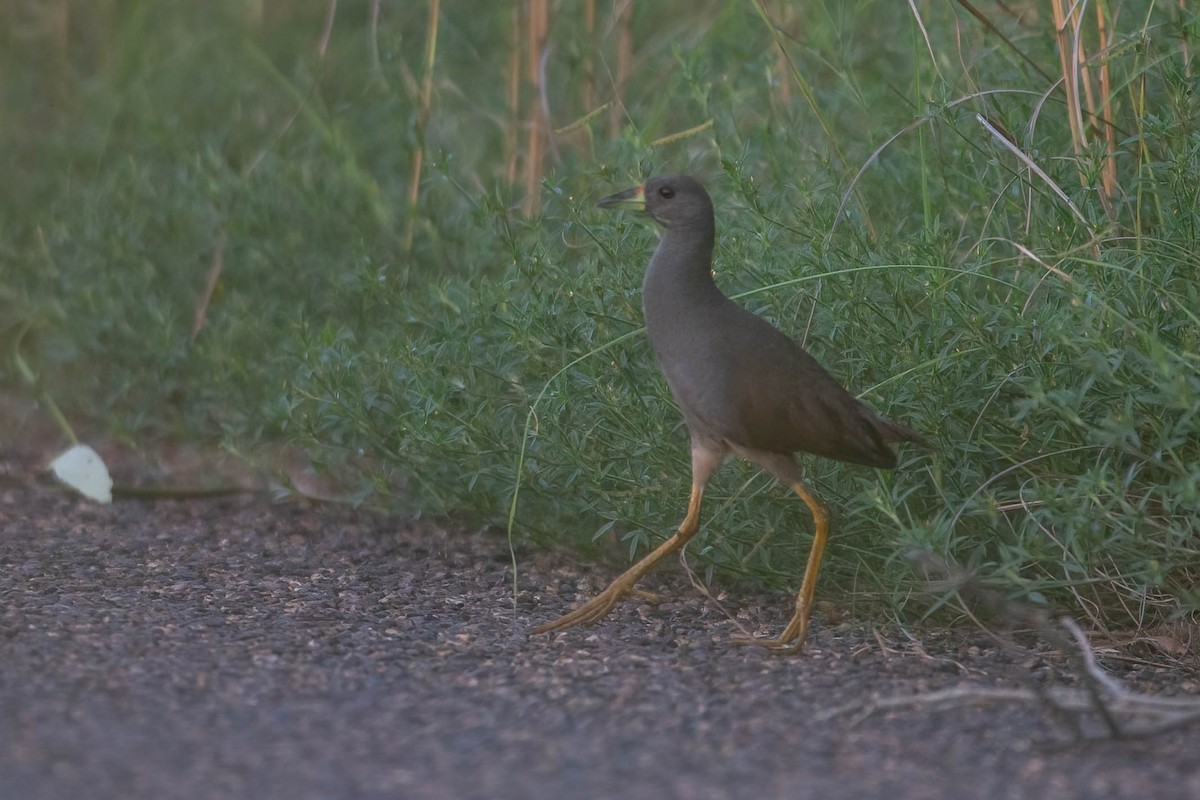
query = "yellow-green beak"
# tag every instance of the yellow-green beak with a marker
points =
(633, 199)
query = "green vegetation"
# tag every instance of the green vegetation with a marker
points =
(906, 194)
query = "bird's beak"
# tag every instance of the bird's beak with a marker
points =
(633, 199)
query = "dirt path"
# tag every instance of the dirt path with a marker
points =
(238, 648)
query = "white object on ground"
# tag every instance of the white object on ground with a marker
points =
(82, 469)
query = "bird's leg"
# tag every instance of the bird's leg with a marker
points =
(601, 604)
(793, 636)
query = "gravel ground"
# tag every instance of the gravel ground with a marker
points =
(239, 648)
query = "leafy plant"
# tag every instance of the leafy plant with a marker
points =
(986, 227)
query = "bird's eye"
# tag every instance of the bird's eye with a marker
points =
(666, 192)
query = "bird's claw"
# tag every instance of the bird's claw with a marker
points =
(790, 642)
(592, 611)
(781, 645)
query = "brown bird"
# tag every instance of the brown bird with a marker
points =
(744, 389)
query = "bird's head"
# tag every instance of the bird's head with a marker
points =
(671, 201)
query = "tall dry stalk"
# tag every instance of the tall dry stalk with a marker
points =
(624, 65)
(536, 26)
(1080, 90)
(327, 29)
(1184, 47)
(785, 15)
(513, 96)
(589, 59)
(423, 111)
(1068, 36)
(1109, 174)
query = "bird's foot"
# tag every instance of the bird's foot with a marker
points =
(790, 642)
(592, 611)
(784, 647)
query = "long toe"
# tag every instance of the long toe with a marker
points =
(780, 645)
(591, 611)
(789, 642)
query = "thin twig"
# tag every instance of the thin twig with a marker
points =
(200, 317)
(699, 586)
(1119, 708)
(327, 30)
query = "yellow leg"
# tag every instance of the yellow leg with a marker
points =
(793, 636)
(601, 604)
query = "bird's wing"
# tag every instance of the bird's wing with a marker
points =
(756, 388)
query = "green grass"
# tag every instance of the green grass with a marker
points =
(1049, 344)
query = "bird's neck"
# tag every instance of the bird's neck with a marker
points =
(681, 269)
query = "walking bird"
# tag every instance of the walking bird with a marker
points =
(744, 389)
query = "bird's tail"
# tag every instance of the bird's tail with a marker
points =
(895, 432)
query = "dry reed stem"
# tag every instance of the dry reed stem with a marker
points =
(426, 103)
(327, 30)
(624, 64)
(1106, 113)
(589, 59)
(1011, 145)
(783, 87)
(536, 26)
(513, 95)
(1107, 175)
(1077, 77)
(1184, 49)
(1068, 56)
(1081, 60)
(200, 313)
